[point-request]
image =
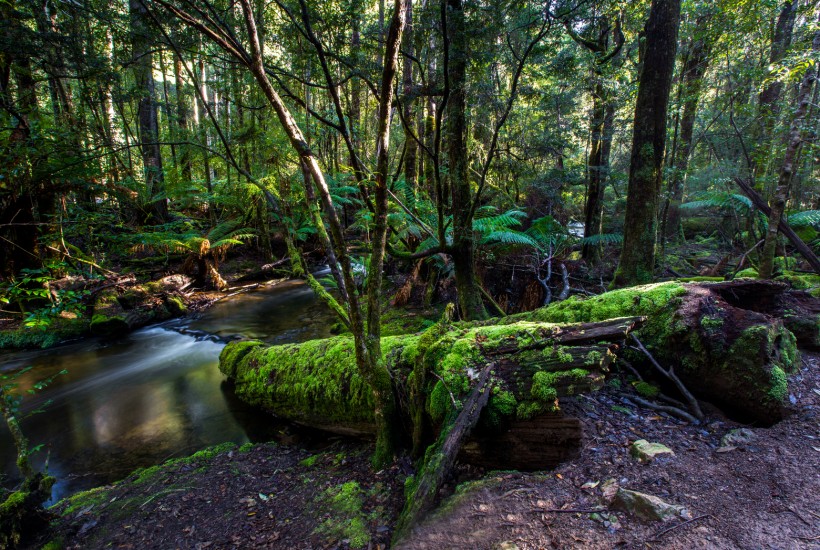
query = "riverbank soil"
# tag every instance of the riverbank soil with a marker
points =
(756, 488)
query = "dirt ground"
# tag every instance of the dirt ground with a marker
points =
(764, 493)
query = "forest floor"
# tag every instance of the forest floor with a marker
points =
(758, 493)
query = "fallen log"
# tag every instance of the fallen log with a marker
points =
(534, 363)
(728, 342)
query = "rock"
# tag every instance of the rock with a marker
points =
(648, 507)
(174, 282)
(646, 452)
(104, 325)
(737, 438)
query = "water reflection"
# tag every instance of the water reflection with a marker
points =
(154, 394)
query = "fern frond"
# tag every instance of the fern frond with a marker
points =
(805, 218)
(509, 237)
(732, 201)
(603, 239)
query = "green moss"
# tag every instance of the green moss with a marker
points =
(231, 354)
(701, 279)
(175, 305)
(310, 461)
(749, 272)
(779, 384)
(315, 382)
(647, 390)
(348, 521)
(711, 322)
(802, 281)
(55, 544)
(593, 358)
(58, 330)
(542, 387)
(104, 325)
(530, 409)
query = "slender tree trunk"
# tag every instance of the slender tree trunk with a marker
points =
(182, 115)
(694, 69)
(411, 148)
(637, 261)
(781, 194)
(769, 97)
(603, 122)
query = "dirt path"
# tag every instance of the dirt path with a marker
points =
(764, 493)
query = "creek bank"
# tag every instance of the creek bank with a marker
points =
(759, 495)
(254, 496)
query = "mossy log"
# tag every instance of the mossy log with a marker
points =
(316, 384)
(729, 342)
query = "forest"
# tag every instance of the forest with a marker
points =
(466, 274)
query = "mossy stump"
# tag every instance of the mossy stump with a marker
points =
(728, 342)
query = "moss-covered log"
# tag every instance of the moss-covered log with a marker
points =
(729, 342)
(316, 383)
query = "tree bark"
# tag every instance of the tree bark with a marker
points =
(147, 114)
(694, 69)
(470, 300)
(637, 262)
(769, 97)
(781, 194)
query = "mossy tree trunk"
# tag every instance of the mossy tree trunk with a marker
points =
(637, 262)
(462, 251)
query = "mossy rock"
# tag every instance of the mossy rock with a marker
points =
(103, 325)
(57, 331)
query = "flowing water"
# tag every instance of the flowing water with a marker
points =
(154, 394)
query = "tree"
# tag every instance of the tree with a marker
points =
(601, 124)
(147, 116)
(637, 261)
(795, 139)
(695, 64)
(366, 329)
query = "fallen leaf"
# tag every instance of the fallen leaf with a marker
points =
(559, 476)
(590, 484)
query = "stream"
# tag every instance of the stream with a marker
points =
(153, 394)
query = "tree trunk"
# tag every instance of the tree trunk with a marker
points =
(781, 194)
(694, 69)
(463, 248)
(637, 261)
(182, 115)
(603, 122)
(316, 383)
(411, 148)
(147, 115)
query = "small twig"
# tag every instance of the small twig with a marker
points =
(572, 510)
(670, 374)
(443, 383)
(681, 524)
